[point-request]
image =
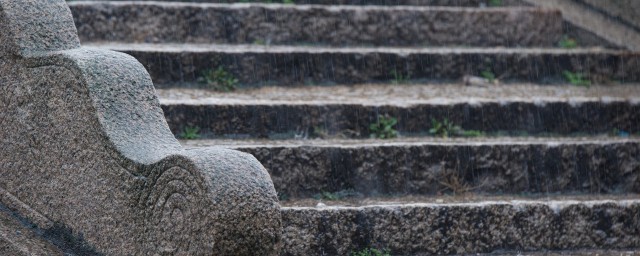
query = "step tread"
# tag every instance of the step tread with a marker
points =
(457, 201)
(253, 48)
(409, 141)
(464, 228)
(472, 3)
(304, 6)
(317, 24)
(402, 95)
(296, 65)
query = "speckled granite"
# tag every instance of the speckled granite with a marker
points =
(283, 65)
(432, 168)
(428, 229)
(335, 25)
(264, 120)
(85, 148)
(469, 3)
(625, 10)
(18, 239)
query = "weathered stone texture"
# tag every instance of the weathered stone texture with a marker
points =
(526, 167)
(462, 228)
(259, 65)
(282, 24)
(625, 10)
(17, 239)
(353, 120)
(467, 3)
(86, 146)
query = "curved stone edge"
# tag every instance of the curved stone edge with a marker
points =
(226, 197)
(34, 33)
(152, 196)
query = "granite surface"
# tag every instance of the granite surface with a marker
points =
(436, 167)
(624, 10)
(287, 65)
(316, 25)
(353, 120)
(468, 3)
(86, 150)
(466, 228)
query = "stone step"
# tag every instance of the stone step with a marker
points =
(432, 166)
(465, 3)
(261, 24)
(349, 111)
(290, 65)
(508, 227)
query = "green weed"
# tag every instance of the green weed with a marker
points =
(443, 129)
(446, 129)
(269, 1)
(568, 43)
(371, 252)
(495, 3)
(471, 133)
(384, 128)
(219, 80)
(190, 133)
(487, 74)
(319, 132)
(333, 196)
(399, 78)
(577, 79)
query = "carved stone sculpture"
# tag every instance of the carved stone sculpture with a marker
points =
(85, 148)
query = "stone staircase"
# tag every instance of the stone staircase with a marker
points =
(542, 153)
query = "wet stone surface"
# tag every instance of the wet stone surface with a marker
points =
(431, 167)
(465, 3)
(317, 25)
(424, 229)
(300, 65)
(344, 111)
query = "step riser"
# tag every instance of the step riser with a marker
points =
(461, 229)
(265, 24)
(467, 3)
(299, 172)
(351, 120)
(291, 68)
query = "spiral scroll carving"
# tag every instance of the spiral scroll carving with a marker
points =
(172, 206)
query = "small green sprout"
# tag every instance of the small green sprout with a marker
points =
(577, 79)
(337, 195)
(487, 74)
(384, 128)
(568, 43)
(495, 3)
(319, 132)
(399, 78)
(446, 129)
(443, 129)
(371, 252)
(471, 133)
(190, 133)
(219, 80)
